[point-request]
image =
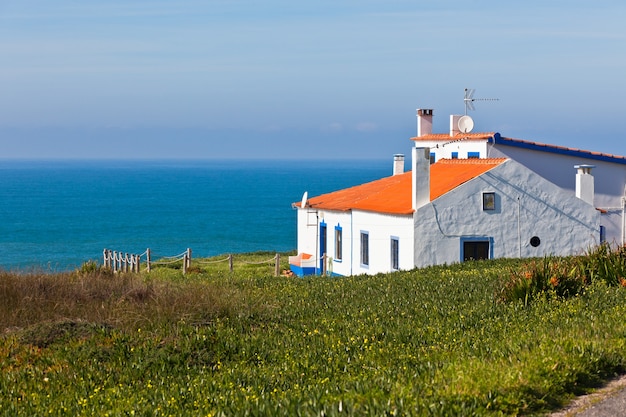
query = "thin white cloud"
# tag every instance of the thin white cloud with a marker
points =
(366, 127)
(332, 128)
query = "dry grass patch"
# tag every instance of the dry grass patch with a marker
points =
(125, 301)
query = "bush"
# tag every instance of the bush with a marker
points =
(565, 277)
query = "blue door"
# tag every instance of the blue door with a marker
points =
(323, 244)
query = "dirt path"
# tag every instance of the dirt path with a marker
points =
(608, 401)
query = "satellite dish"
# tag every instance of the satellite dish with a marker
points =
(466, 124)
(305, 196)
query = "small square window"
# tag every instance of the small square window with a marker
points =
(455, 155)
(489, 201)
(473, 155)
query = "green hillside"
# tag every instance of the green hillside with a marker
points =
(450, 340)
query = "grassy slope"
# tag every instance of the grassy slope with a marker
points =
(428, 342)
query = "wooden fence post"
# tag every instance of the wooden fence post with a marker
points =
(148, 259)
(188, 262)
(185, 260)
(230, 262)
(277, 267)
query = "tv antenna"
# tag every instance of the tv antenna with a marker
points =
(469, 99)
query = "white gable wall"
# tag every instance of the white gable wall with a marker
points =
(526, 206)
(610, 178)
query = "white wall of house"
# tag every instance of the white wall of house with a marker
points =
(307, 230)
(338, 221)
(380, 229)
(526, 206)
(446, 149)
(613, 221)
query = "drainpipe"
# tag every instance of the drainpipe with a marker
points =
(317, 239)
(623, 219)
(519, 229)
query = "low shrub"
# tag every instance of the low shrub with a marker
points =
(565, 277)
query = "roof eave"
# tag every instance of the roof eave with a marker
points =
(542, 147)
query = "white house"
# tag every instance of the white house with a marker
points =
(555, 163)
(467, 196)
(451, 211)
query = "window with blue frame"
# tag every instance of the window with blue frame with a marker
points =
(432, 157)
(395, 253)
(455, 155)
(365, 249)
(473, 154)
(338, 243)
(476, 248)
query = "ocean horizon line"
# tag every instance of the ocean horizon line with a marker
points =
(199, 159)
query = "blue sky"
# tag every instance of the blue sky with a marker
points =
(290, 79)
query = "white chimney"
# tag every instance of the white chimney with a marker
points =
(584, 183)
(454, 124)
(424, 122)
(398, 164)
(421, 177)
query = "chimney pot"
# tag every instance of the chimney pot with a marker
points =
(585, 183)
(424, 122)
(398, 164)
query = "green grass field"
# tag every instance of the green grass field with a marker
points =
(450, 340)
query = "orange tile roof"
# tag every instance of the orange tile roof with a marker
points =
(393, 194)
(458, 136)
(448, 174)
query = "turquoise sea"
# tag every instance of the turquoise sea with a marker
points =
(55, 215)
